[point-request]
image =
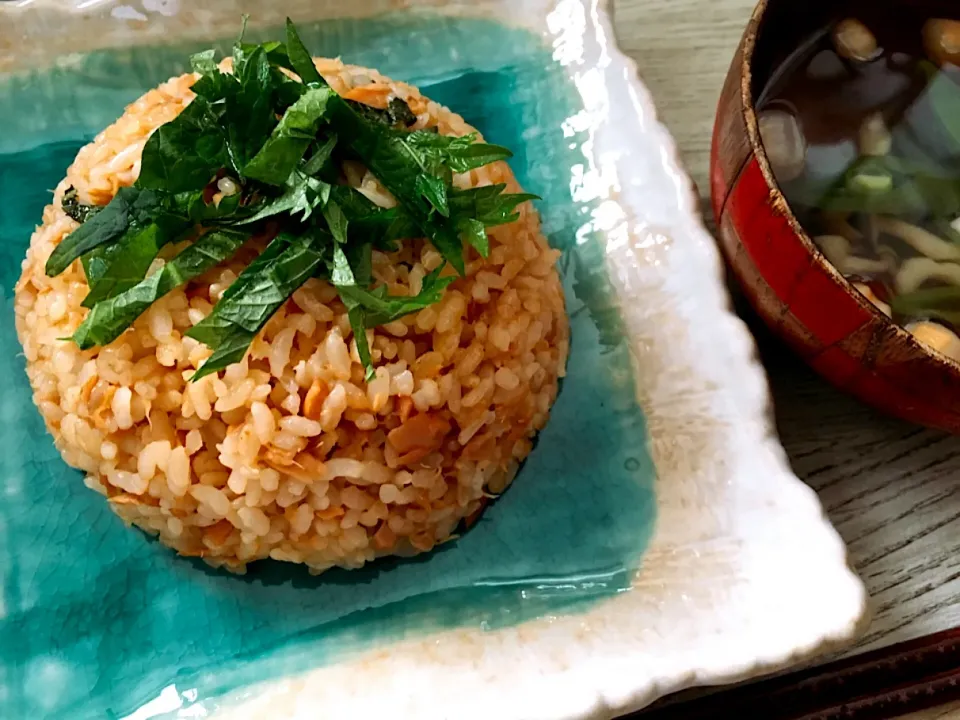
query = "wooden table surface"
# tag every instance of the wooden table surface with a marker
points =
(891, 489)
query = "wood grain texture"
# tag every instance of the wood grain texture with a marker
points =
(892, 490)
(944, 712)
(877, 685)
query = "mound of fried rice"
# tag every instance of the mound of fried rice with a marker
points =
(291, 454)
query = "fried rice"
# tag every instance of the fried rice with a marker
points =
(291, 454)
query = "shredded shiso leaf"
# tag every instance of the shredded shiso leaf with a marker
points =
(276, 145)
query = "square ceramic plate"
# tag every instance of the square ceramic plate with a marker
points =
(655, 539)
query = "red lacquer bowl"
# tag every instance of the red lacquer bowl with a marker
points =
(789, 283)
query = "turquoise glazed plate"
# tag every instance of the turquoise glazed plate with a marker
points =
(655, 538)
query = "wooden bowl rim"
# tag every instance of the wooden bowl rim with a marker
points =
(782, 207)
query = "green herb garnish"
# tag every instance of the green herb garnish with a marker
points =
(257, 154)
(938, 303)
(887, 185)
(108, 319)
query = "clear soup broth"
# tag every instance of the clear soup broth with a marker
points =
(861, 124)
